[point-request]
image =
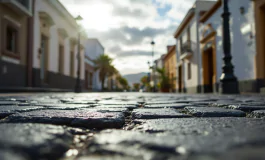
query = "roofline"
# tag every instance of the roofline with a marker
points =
(171, 49)
(211, 11)
(97, 41)
(64, 12)
(185, 21)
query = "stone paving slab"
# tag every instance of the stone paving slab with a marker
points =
(33, 141)
(257, 114)
(115, 102)
(63, 106)
(9, 155)
(167, 136)
(214, 112)
(8, 103)
(130, 107)
(106, 109)
(174, 105)
(12, 109)
(77, 118)
(247, 107)
(183, 138)
(107, 157)
(157, 113)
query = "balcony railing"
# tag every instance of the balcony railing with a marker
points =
(186, 49)
(20, 6)
(24, 3)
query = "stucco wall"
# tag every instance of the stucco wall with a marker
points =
(61, 21)
(243, 47)
(6, 14)
(193, 82)
(93, 50)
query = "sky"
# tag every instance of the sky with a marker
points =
(126, 27)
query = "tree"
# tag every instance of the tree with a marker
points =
(144, 80)
(103, 63)
(136, 86)
(123, 81)
(164, 80)
(145, 83)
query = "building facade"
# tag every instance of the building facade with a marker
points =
(113, 83)
(55, 61)
(188, 50)
(247, 44)
(170, 66)
(15, 42)
(93, 49)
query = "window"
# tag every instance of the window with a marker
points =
(25, 3)
(11, 39)
(189, 70)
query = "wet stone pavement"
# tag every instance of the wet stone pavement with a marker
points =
(127, 126)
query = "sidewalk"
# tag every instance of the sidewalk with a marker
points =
(31, 89)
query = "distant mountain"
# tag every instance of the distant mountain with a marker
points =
(134, 78)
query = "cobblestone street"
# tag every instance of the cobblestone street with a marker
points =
(91, 126)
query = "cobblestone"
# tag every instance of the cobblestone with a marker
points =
(33, 141)
(157, 113)
(127, 126)
(174, 105)
(247, 107)
(257, 114)
(77, 118)
(214, 112)
(12, 109)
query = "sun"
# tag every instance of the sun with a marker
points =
(97, 16)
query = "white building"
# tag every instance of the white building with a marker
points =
(188, 50)
(55, 46)
(247, 47)
(93, 49)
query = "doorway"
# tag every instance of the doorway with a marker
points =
(260, 42)
(208, 70)
(179, 79)
(43, 59)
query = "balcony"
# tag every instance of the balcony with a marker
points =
(23, 7)
(186, 50)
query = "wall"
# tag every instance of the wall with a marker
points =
(193, 82)
(170, 67)
(93, 50)
(13, 70)
(242, 46)
(62, 20)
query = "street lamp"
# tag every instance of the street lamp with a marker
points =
(153, 78)
(78, 87)
(229, 83)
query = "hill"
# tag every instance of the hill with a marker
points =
(134, 78)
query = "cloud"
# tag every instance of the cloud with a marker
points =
(126, 27)
(133, 53)
(115, 49)
(129, 13)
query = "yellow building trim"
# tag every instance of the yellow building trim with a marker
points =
(259, 7)
(209, 38)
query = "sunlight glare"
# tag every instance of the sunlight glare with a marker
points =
(98, 17)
